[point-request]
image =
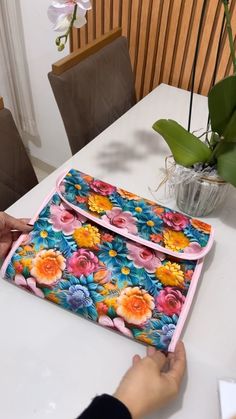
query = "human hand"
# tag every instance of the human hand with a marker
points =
(7, 236)
(153, 381)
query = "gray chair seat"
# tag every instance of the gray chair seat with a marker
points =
(17, 175)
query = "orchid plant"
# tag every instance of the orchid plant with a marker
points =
(64, 14)
(219, 151)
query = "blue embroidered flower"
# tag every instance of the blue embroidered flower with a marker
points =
(149, 223)
(137, 208)
(43, 236)
(167, 333)
(75, 186)
(126, 274)
(113, 253)
(196, 236)
(78, 297)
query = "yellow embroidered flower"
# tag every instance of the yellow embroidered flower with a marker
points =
(170, 274)
(98, 203)
(175, 240)
(201, 226)
(52, 297)
(27, 262)
(111, 302)
(143, 337)
(87, 236)
(128, 195)
(26, 250)
(47, 267)
(135, 305)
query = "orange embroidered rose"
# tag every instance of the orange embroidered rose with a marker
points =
(128, 195)
(135, 305)
(201, 226)
(47, 267)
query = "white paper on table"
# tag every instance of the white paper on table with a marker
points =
(227, 390)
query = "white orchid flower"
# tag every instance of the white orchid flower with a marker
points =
(61, 13)
(67, 13)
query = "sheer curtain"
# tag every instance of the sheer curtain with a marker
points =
(14, 75)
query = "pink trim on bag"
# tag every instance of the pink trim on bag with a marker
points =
(122, 232)
(23, 236)
(186, 307)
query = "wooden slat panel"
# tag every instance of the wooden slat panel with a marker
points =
(142, 45)
(170, 37)
(166, 8)
(151, 48)
(180, 41)
(162, 38)
(98, 18)
(135, 6)
(107, 15)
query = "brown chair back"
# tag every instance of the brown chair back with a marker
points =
(93, 87)
(17, 175)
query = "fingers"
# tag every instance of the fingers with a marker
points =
(136, 359)
(177, 363)
(159, 358)
(12, 223)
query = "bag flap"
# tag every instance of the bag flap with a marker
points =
(139, 219)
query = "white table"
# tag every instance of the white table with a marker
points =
(52, 362)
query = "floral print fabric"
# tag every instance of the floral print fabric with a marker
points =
(101, 275)
(168, 229)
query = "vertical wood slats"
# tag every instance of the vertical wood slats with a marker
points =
(162, 37)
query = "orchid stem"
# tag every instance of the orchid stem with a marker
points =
(229, 31)
(59, 44)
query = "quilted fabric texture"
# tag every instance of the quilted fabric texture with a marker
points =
(100, 275)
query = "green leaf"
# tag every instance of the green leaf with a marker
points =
(226, 162)
(230, 131)
(186, 148)
(222, 103)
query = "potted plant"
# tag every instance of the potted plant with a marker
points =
(206, 168)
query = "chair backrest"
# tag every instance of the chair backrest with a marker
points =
(17, 175)
(93, 87)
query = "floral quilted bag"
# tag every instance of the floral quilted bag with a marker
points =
(108, 255)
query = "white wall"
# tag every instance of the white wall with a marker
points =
(52, 145)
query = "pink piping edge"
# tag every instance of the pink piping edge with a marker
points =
(122, 232)
(22, 236)
(187, 304)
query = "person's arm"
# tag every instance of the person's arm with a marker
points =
(149, 384)
(106, 407)
(10, 229)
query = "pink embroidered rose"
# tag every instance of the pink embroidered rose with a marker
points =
(170, 301)
(29, 284)
(102, 187)
(175, 220)
(121, 219)
(143, 257)
(65, 220)
(117, 323)
(193, 247)
(82, 262)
